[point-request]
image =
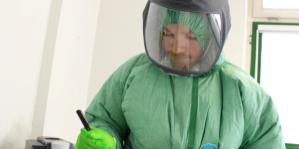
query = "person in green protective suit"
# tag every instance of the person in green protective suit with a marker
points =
(182, 93)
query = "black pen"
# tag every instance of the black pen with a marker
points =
(83, 119)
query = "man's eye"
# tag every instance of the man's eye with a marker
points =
(168, 34)
(191, 37)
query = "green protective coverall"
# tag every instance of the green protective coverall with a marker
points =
(149, 109)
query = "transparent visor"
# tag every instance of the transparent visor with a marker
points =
(182, 41)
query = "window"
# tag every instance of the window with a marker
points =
(276, 8)
(274, 64)
(280, 4)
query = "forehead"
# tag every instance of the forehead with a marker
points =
(177, 27)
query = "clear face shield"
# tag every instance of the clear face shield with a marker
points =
(182, 41)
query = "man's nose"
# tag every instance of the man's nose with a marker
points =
(180, 45)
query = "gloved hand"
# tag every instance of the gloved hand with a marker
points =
(94, 139)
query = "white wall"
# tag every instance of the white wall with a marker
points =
(70, 73)
(234, 49)
(119, 36)
(46, 69)
(23, 26)
(46, 51)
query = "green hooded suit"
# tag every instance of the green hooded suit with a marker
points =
(149, 109)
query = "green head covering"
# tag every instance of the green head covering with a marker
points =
(197, 23)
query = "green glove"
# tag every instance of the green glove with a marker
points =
(95, 138)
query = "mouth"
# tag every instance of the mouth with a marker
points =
(180, 65)
(179, 62)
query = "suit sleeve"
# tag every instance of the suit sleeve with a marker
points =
(262, 124)
(105, 110)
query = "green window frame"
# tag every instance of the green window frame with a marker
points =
(254, 49)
